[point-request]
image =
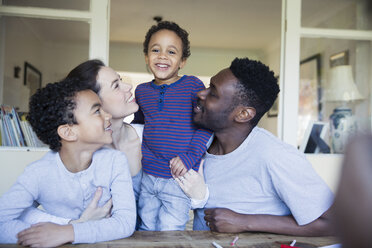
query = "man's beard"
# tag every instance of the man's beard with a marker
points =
(214, 121)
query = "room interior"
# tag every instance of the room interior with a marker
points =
(301, 41)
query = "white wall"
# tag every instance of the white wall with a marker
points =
(272, 59)
(19, 47)
(202, 62)
(53, 60)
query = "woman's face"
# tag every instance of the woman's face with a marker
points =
(116, 96)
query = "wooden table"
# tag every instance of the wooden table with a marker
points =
(184, 239)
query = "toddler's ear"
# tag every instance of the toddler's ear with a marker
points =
(183, 63)
(67, 132)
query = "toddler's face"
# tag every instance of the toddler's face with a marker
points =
(164, 56)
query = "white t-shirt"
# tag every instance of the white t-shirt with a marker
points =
(264, 176)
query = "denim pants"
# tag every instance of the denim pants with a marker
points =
(163, 206)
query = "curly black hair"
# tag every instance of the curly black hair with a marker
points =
(184, 36)
(257, 87)
(87, 73)
(53, 106)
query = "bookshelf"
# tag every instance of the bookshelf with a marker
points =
(15, 131)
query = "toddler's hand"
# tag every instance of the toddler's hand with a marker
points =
(178, 169)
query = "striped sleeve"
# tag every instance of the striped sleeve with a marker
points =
(198, 144)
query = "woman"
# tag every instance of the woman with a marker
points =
(117, 100)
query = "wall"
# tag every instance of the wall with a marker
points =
(54, 60)
(19, 47)
(272, 59)
(202, 62)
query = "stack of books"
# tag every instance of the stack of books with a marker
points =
(15, 129)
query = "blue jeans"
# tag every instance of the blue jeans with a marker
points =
(162, 205)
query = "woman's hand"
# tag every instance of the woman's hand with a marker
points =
(193, 184)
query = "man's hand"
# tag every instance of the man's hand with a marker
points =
(178, 169)
(192, 183)
(46, 235)
(93, 212)
(223, 220)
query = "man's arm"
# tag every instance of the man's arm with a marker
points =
(225, 220)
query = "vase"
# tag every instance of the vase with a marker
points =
(343, 126)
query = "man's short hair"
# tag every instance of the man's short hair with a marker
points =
(51, 107)
(257, 86)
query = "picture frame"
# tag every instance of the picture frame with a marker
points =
(315, 138)
(341, 58)
(274, 110)
(32, 78)
(310, 94)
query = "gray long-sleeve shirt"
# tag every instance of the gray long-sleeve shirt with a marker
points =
(61, 193)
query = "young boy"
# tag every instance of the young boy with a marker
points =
(68, 117)
(169, 138)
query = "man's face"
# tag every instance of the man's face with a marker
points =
(216, 104)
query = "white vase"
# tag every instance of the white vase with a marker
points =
(343, 126)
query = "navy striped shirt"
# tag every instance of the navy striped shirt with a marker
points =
(166, 111)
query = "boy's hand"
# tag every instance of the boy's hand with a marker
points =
(178, 169)
(46, 234)
(93, 212)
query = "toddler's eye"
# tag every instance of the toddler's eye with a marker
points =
(155, 50)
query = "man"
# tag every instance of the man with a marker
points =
(256, 182)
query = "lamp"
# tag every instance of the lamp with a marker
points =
(341, 87)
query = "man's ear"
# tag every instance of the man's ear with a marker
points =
(67, 132)
(245, 114)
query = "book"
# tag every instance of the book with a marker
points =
(15, 129)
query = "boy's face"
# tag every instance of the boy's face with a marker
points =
(94, 127)
(164, 56)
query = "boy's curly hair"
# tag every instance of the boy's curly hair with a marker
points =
(184, 36)
(257, 87)
(51, 107)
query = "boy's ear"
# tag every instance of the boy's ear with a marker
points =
(147, 59)
(183, 63)
(67, 132)
(245, 114)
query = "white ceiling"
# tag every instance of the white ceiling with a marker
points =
(233, 24)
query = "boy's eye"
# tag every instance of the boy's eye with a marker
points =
(155, 50)
(98, 111)
(115, 86)
(172, 52)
